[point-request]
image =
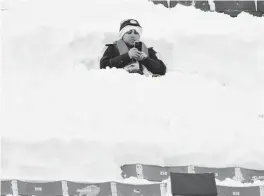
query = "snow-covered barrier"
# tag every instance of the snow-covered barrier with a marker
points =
(66, 188)
(6, 187)
(231, 8)
(241, 191)
(159, 173)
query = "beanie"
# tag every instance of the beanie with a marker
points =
(127, 25)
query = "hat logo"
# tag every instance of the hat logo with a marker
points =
(133, 22)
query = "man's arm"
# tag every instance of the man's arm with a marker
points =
(111, 58)
(153, 64)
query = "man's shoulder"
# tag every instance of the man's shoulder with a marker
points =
(110, 44)
(151, 50)
(110, 47)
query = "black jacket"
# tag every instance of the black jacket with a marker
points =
(112, 58)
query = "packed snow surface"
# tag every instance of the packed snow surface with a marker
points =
(63, 118)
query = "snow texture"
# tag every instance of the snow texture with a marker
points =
(207, 110)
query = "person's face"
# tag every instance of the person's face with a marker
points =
(130, 37)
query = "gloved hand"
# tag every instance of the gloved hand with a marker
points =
(134, 53)
(142, 56)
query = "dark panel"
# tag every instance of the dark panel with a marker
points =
(129, 171)
(220, 173)
(124, 189)
(258, 14)
(39, 188)
(148, 172)
(173, 3)
(179, 169)
(202, 5)
(164, 3)
(231, 8)
(250, 175)
(186, 3)
(155, 173)
(247, 6)
(260, 6)
(139, 190)
(147, 190)
(240, 191)
(193, 184)
(89, 189)
(6, 187)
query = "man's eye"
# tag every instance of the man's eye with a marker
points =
(135, 32)
(129, 32)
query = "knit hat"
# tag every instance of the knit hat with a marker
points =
(127, 25)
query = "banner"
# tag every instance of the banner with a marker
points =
(238, 191)
(39, 188)
(89, 189)
(220, 173)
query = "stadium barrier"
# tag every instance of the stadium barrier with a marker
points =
(159, 173)
(69, 188)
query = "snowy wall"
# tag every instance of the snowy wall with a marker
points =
(36, 43)
(231, 8)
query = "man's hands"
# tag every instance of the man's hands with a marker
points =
(136, 55)
(142, 56)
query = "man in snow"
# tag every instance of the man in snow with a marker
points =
(123, 54)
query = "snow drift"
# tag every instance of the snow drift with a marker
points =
(207, 110)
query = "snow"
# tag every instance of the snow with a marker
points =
(233, 183)
(208, 110)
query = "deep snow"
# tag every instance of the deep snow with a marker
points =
(207, 110)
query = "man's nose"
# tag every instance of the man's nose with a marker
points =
(133, 35)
